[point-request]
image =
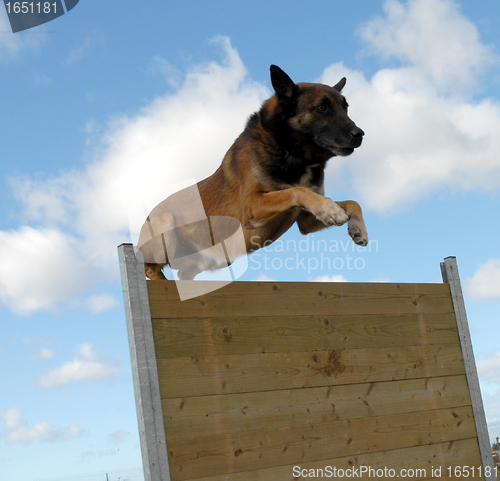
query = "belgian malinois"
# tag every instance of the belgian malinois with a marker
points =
(271, 177)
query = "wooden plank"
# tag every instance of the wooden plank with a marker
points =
(450, 274)
(206, 375)
(192, 458)
(429, 457)
(144, 367)
(188, 417)
(201, 337)
(250, 299)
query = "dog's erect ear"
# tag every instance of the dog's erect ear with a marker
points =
(283, 85)
(340, 85)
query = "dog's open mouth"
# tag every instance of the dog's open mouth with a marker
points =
(338, 150)
(343, 151)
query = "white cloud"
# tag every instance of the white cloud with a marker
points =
(431, 36)
(38, 268)
(264, 278)
(18, 431)
(45, 353)
(12, 418)
(88, 365)
(171, 74)
(89, 42)
(46, 201)
(119, 436)
(489, 368)
(485, 283)
(380, 279)
(83, 215)
(330, 278)
(150, 151)
(80, 52)
(423, 131)
(101, 303)
(13, 45)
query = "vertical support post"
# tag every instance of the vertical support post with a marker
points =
(144, 368)
(449, 271)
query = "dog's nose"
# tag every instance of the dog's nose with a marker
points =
(357, 133)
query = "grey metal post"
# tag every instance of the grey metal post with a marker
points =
(144, 368)
(449, 271)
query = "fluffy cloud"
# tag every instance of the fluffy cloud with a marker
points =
(18, 431)
(101, 303)
(330, 278)
(88, 365)
(85, 215)
(119, 436)
(39, 267)
(264, 278)
(485, 283)
(44, 353)
(80, 52)
(424, 132)
(433, 38)
(12, 45)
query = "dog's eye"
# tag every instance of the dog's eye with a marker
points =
(321, 108)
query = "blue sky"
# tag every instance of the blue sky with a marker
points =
(115, 101)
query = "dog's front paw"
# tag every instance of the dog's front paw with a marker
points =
(330, 213)
(357, 230)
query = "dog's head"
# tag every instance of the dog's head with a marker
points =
(318, 112)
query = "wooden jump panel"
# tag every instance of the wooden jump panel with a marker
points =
(422, 458)
(189, 416)
(251, 299)
(191, 458)
(258, 379)
(225, 335)
(208, 375)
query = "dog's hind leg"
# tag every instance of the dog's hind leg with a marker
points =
(154, 271)
(152, 244)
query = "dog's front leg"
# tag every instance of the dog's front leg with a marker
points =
(262, 207)
(308, 223)
(356, 224)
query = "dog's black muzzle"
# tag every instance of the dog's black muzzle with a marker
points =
(356, 136)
